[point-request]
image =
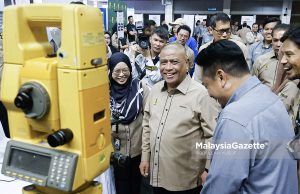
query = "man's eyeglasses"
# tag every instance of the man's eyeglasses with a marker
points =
(222, 31)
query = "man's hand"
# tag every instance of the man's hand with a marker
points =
(203, 177)
(144, 168)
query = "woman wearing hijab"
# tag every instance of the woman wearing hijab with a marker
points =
(127, 99)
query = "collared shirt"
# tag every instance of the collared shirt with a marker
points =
(130, 135)
(255, 50)
(290, 96)
(206, 36)
(252, 115)
(173, 123)
(151, 67)
(265, 68)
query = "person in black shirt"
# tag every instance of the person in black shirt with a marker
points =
(131, 30)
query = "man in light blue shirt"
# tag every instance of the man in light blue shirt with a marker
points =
(249, 144)
(263, 46)
(182, 37)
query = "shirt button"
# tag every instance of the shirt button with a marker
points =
(162, 123)
(157, 137)
(127, 139)
(166, 109)
(155, 164)
(156, 151)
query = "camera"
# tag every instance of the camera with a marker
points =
(142, 39)
(120, 159)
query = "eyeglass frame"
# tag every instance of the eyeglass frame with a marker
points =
(119, 71)
(221, 31)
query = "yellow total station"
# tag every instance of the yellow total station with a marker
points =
(58, 105)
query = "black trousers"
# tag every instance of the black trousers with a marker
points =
(128, 180)
(159, 190)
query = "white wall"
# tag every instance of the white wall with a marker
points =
(1, 5)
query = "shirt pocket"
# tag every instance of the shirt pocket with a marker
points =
(185, 111)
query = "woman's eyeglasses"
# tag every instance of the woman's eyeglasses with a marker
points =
(119, 71)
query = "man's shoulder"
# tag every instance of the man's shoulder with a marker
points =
(246, 29)
(236, 38)
(258, 101)
(205, 45)
(197, 86)
(172, 39)
(188, 48)
(157, 88)
(192, 40)
(265, 57)
(239, 43)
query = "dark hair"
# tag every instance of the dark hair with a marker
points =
(184, 27)
(162, 33)
(280, 27)
(293, 34)
(77, 2)
(225, 55)
(129, 17)
(107, 32)
(270, 20)
(149, 23)
(223, 17)
(245, 25)
(254, 24)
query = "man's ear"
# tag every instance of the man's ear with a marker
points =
(187, 64)
(222, 77)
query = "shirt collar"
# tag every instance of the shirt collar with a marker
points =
(263, 45)
(182, 87)
(243, 89)
(272, 53)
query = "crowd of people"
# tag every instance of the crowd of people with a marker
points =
(220, 86)
(205, 112)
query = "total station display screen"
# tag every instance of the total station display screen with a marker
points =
(29, 161)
